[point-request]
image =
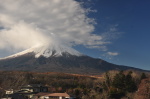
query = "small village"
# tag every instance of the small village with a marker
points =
(35, 91)
(112, 85)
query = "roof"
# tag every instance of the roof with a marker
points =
(9, 90)
(41, 94)
(53, 94)
(33, 85)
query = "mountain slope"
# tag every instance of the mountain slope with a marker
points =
(57, 59)
(66, 63)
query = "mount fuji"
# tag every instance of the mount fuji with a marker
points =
(57, 58)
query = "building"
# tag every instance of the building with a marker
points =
(10, 91)
(35, 91)
(27, 91)
(35, 88)
(52, 96)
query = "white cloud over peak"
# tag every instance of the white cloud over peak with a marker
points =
(27, 23)
(21, 36)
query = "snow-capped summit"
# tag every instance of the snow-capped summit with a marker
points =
(48, 50)
(54, 47)
(54, 50)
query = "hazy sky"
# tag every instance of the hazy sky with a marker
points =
(117, 31)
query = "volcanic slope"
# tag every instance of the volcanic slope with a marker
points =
(57, 58)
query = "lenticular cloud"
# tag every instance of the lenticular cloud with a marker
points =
(26, 23)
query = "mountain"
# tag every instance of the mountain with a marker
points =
(57, 58)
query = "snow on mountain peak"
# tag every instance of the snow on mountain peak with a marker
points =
(48, 51)
(54, 50)
(55, 47)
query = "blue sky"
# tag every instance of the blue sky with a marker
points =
(121, 34)
(132, 18)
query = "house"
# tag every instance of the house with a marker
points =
(35, 88)
(7, 93)
(52, 96)
(10, 91)
(27, 91)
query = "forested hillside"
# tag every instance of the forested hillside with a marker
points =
(110, 85)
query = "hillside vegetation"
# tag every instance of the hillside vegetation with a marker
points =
(110, 85)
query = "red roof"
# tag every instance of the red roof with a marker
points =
(53, 94)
